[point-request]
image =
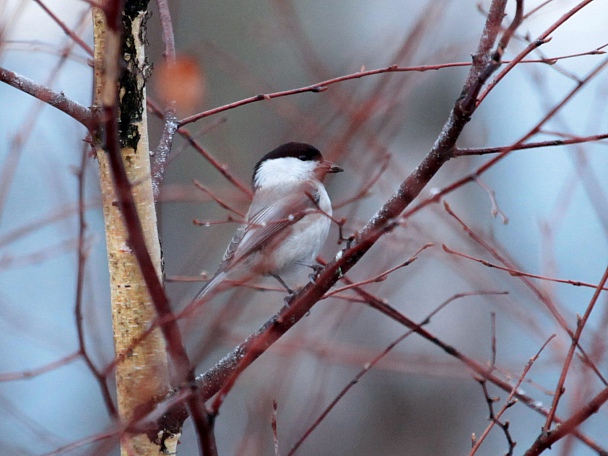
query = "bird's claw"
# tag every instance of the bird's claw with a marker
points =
(289, 298)
(316, 269)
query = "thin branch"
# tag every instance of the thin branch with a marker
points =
(542, 39)
(495, 209)
(493, 346)
(569, 426)
(169, 118)
(52, 98)
(322, 86)
(509, 402)
(531, 145)
(380, 277)
(217, 199)
(582, 321)
(65, 28)
(517, 273)
(275, 434)
(493, 421)
(167, 30)
(163, 150)
(35, 372)
(371, 364)
(365, 188)
(317, 88)
(506, 151)
(81, 262)
(208, 223)
(537, 8)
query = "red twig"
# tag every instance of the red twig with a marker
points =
(506, 151)
(516, 272)
(207, 223)
(371, 364)
(31, 373)
(167, 30)
(495, 210)
(531, 145)
(365, 188)
(550, 305)
(509, 402)
(317, 88)
(65, 28)
(275, 435)
(217, 199)
(81, 261)
(380, 277)
(221, 167)
(542, 39)
(546, 439)
(582, 321)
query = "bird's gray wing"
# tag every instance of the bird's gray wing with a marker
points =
(264, 221)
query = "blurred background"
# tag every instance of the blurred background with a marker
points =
(417, 400)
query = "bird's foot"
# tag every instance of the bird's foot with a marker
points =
(289, 298)
(316, 268)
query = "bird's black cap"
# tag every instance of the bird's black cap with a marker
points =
(302, 151)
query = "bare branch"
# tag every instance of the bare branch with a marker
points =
(217, 199)
(546, 439)
(81, 258)
(542, 39)
(516, 272)
(582, 321)
(371, 364)
(169, 118)
(46, 95)
(26, 374)
(65, 28)
(509, 402)
(531, 145)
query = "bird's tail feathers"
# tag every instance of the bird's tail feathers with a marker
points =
(217, 279)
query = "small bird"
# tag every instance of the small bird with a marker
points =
(288, 220)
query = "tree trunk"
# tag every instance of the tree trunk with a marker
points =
(141, 370)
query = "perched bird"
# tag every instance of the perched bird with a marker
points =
(287, 222)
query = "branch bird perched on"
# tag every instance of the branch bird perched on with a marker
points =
(287, 222)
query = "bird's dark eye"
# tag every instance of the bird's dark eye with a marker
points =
(303, 157)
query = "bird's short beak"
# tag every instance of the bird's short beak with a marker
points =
(332, 167)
